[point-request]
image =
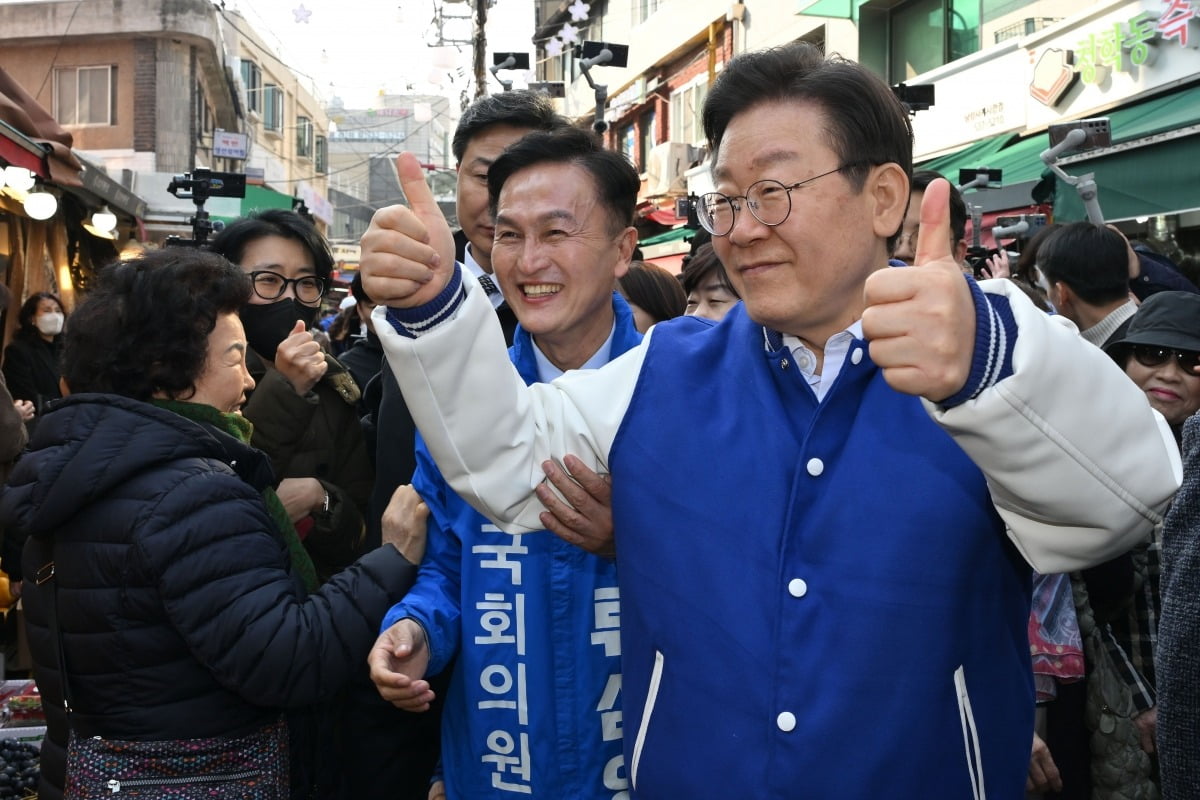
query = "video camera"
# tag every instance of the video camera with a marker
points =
(197, 186)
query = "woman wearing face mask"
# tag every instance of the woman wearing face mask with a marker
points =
(31, 366)
(303, 408)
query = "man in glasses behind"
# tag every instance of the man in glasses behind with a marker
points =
(303, 407)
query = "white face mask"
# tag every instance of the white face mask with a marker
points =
(50, 324)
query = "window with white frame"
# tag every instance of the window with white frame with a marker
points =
(304, 137)
(252, 80)
(85, 95)
(687, 103)
(272, 110)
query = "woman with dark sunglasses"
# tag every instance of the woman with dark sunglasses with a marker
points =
(1160, 352)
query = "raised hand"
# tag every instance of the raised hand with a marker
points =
(998, 266)
(408, 251)
(920, 320)
(300, 359)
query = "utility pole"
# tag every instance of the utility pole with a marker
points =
(480, 47)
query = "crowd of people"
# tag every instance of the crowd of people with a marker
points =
(823, 516)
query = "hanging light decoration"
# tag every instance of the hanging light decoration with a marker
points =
(19, 178)
(104, 219)
(40, 204)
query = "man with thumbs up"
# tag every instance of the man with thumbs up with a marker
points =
(825, 506)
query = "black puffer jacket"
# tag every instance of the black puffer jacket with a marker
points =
(179, 612)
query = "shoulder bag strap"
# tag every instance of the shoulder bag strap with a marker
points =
(45, 574)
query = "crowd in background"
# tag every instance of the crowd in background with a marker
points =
(198, 438)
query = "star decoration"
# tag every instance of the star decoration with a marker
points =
(301, 14)
(579, 10)
(569, 34)
(554, 47)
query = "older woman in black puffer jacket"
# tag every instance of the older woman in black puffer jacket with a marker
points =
(183, 592)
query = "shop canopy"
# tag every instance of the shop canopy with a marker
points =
(258, 198)
(1152, 167)
(673, 235)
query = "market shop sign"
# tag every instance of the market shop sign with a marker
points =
(1120, 46)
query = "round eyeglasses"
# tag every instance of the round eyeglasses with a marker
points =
(769, 201)
(271, 286)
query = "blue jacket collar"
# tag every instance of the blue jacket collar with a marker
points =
(625, 337)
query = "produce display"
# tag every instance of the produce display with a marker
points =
(20, 714)
(18, 769)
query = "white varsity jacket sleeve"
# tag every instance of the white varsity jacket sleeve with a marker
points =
(1078, 464)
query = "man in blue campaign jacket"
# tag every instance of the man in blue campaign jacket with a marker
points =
(825, 506)
(532, 622)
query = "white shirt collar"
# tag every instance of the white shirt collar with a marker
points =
(836, 350)
(548, 372)
(474, 270)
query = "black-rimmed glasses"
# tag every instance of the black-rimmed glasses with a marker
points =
(769, 201)
(271, 286)
(1149, 355)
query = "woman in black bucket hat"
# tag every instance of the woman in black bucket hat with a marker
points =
(1160, 352)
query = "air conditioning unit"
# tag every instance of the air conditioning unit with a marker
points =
(665, 168)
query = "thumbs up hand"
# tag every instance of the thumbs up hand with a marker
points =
(408, 251)
(920, 320)
(300, 359)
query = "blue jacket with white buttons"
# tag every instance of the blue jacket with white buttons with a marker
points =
(870, 608)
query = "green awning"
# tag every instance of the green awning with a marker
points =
(1158, 115)
(257, 198)
(1157, 178)
(1019, 159)
(974, 155)
(673, 235)
(839, 9)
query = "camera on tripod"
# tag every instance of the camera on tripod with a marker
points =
(197, 186)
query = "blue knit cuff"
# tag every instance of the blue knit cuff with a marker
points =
(419, 320)
(995, 340)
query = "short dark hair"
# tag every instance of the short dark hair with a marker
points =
(29, 308)
(1091, 259)
(520, 108)
(654, 290)
(144, 327)
(867, 125)
(699, 265)
(958, 208)
(1029, 253)
(237, 236)
(616, 180)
